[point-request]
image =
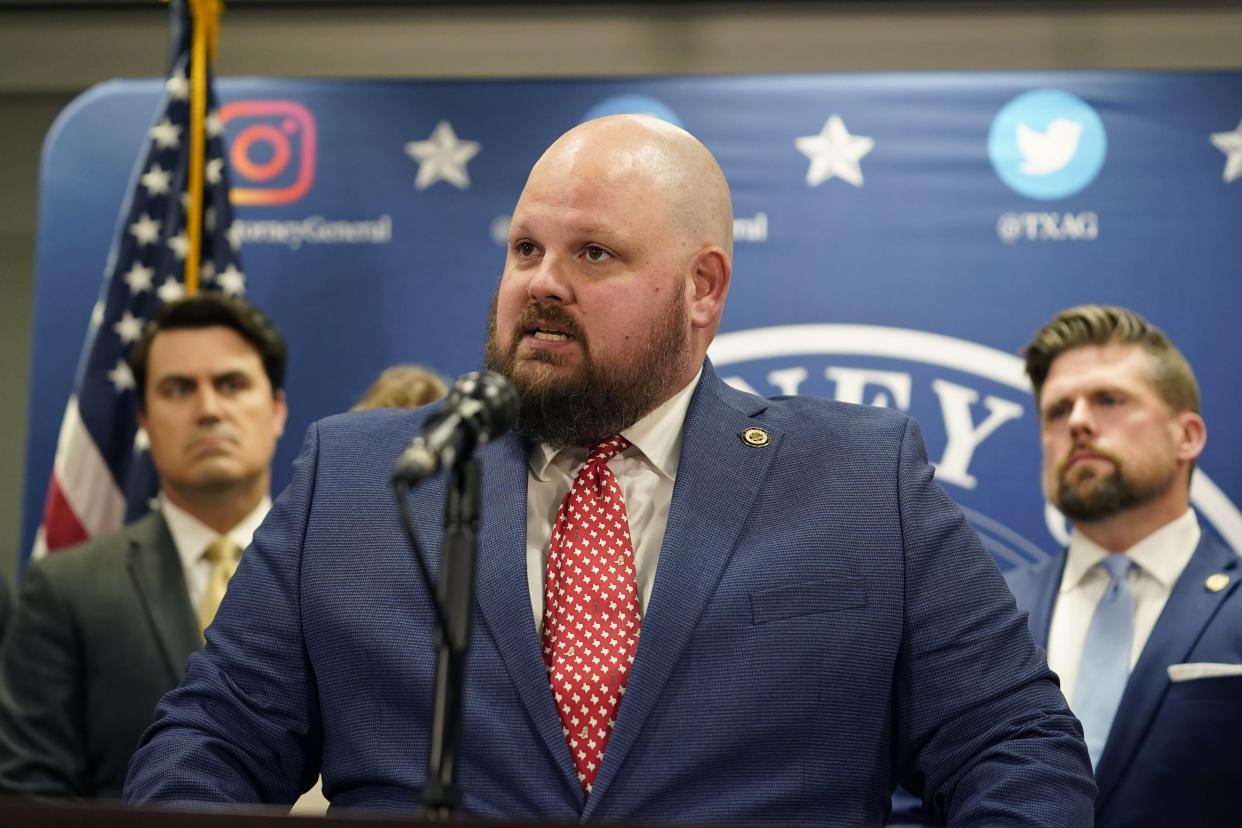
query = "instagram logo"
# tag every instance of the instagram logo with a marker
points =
(272, 150)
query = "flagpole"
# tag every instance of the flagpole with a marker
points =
(205, 15)
(102, 475)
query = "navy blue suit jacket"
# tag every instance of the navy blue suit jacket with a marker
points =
(823, 621)
(1174, 754)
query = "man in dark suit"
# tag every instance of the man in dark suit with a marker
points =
(101, 631)
(692, 603)
(1121, 430)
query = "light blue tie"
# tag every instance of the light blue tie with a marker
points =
(1105, 662)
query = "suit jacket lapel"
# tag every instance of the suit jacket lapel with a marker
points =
(1036, 590)
(718, 477)
(1188, 611)
(503, 594)
(159, 581)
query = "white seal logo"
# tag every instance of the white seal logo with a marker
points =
(969, 399)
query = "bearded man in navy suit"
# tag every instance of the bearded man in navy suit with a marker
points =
(808, 618)
(1121, 431)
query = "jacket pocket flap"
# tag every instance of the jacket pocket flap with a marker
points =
(807, 598)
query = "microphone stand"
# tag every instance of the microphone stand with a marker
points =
(441, 796)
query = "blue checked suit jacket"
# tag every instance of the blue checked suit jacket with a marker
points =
(823, 623)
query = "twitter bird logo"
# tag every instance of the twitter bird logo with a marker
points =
(1047, 144)
(1043, 153)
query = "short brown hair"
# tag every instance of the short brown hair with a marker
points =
(208, 310)
(402, 386)
(1086, 325)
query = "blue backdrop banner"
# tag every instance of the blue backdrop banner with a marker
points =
(899, 238)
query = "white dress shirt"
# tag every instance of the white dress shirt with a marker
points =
(191, 536)
(1159, 560)
(645, 471)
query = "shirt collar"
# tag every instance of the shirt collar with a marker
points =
(1163, 554)
(657, 435)
(191, 535)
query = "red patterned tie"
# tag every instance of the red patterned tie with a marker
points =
(591, 617)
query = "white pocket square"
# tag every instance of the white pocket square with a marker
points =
(1202, 669)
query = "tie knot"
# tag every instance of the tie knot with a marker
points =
(1117, 566)
(605, 450)
(222, 550)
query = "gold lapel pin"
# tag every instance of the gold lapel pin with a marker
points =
(1217, 582)
(756, 437)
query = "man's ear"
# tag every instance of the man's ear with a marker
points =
(708, 283)
(1191, 435)
(282, 411)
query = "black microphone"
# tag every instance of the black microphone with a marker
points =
(480, 406)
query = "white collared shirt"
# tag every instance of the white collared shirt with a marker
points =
(1160, 558)
(646, 472)
(191, 536)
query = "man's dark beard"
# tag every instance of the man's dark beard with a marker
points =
(1110, 495)
(600, 399)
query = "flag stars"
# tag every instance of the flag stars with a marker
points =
(145, 230)
(233, 234)
(214, 172)
(213, 125)
(142, 442)
(166, 134)
(170, 291)
(179, 245)
(156, 181)
(139, 278)
(129, 328)
(178, 85)
(121, 377)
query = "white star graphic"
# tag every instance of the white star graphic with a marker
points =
(142, 442)
(214, 169)
(207, 271)
(121, 377)
(234, 235)
(232, 281)
(139, 278)
(178, 86)
(179, 245)
(209, 219)
(167, 135)
(170, 291)
(156, 180)
(129, 328)
(442, 157)
(146, 230)
(834, 152)
(213, 124)
(1230, 143)
(97, 314)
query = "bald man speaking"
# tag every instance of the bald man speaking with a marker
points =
(692, 604)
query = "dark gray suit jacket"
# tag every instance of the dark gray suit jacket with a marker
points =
(99, 633)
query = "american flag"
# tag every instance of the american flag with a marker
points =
(102, 476)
